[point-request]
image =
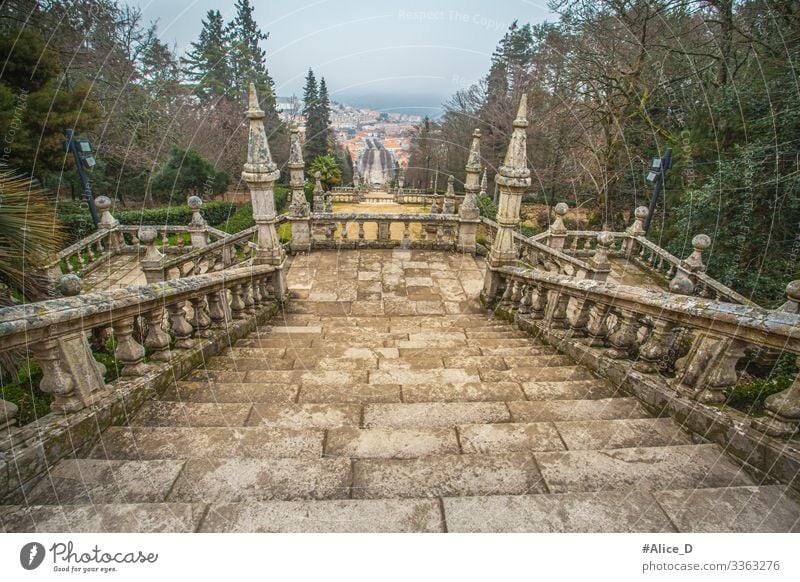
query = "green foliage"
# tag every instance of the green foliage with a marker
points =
(316, 109)
(186, 173)
(750, 397)
(239, 220)
(330, 173)
(487, 207)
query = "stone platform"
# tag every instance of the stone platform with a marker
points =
(384, 398)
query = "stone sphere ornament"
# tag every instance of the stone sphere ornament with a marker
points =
(102, 203)
(70, 285)
(195, 202)
(561, 208)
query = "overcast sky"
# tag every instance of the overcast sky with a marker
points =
(406, 50)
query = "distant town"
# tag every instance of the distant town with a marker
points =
(353, 126)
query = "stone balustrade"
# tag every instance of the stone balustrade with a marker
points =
(695, 342)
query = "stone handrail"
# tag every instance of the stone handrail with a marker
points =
(55, 331)
(613, 317)
(85, 253)
(218, 255)
(336, 230)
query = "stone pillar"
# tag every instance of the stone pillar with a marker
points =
(449, 205)
(513, 178)
(468, 214)
(108, 223)
(558, 230)
(151, 263)
(198, 228)
(298, 209)
(260, 173)
(636, 229)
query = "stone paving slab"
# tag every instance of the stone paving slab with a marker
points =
(339, 516)
(78, 481)
(560, 410)
(433, 415)
(422, 362)
(148, 443)
(305, 415)
(569, 390)
(446, 475)
(509, 437)
(543, 361)
(226, 480)
(161, 413)
(605, 512)
(354, 393)
(471, 361)
(767, 509)
(649, 468)
(234, 362)
(437, 352)
(231, 392)
(390, 443)
(470, 392)
(408, 377)
(103, 518)
(537, 374)
(527, 351)
(625, 433)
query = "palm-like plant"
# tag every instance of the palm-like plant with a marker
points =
(329, 171)
(30, 234)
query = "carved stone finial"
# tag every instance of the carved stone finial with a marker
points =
(70, 285)
(196, 203)
(107, 221)
(259, 167)
(484, 184)
(295, 149)
(604, 241)
(515, 172)
(148, 235)
(695, 261)
(792, 304)
(474, 158)
(640, 214)
(558, 227)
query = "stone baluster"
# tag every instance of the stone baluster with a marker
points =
(384, 233)
(181, 328)
(579, 324)
(157, 340)
(406, 233)
(782, 410)
(505, 299)
(247, 298)
(360, 230)
(69, 372)
(9, 431)
(198, 228)
(654, 351)
(527, 299)
(237, 302)
(129, 352)
(516, 294)
(558, 317)
(634, 230)
(597, 326)
(558, 230)
(200, 320)
(215, 310)
(722, 373)
(695, 261)
(538, 302)
(623, 339)
(600, 262)
(152, 262)
(343, 226)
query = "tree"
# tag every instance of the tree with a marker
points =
(186, 173)
(316, 110)
(206, 65)
(330, 173)
(324, 104)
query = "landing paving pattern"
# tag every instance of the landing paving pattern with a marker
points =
(384, 398)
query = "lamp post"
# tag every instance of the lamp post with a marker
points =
(657, 175)
(84, 158)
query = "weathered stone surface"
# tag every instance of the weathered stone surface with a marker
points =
(147, 443)
(358, 393)
(158, 413)
(243, 364)
(304, 415)
(390, 443)
(342, 516)
(462, 360)
(509, 437)
(471, 392)
(543, 374)
(225, 480)
(74, 481)
(625, 433)
(104, 518)
(432, 415)
(655, 468)
(555, 410)
(447, 475)
(231, 392)
(732, 509)
(604, 512)
(408, 377)
(569, 390)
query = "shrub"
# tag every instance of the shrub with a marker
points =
(487, 207)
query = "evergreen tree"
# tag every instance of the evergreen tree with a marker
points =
(206, 65)
(316, 144)
(325, 118)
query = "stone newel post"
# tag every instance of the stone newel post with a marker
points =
(152, 261)
(513, 178)
(260, 173)
(298, 210)
(558, 230)
(468, 214)
(108, 223)
(198, 228)
(636, 229)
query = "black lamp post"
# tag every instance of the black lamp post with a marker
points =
(657, 175)
(84, 158)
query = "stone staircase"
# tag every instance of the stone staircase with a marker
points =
(329, 421)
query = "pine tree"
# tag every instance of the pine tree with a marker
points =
(206, 65)
(316, 131)
(326, 136)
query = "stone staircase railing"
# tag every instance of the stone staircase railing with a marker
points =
(161, 331)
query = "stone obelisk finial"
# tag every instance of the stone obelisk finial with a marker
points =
(469, 208)
(299, 205)
(513, 178)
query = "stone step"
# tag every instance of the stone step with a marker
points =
(509, 437)
(390, 443)
(243, 364)
(305, 416)
(482, 333)
(104, 518)
(569, 390)
(80, 481)
(596, 512)
(564, 410)
(337, 516)
(183, 391)
(623, 433)
(648, 468)
(313, 354)
(150, 443)
(434, 415)
(267, 341)
(301, 377)
(538, 374)
(533, 349)
(354, 393)
(408, 377)
(227, 480)
(467, 392)
(446, 476)
(191, 414)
